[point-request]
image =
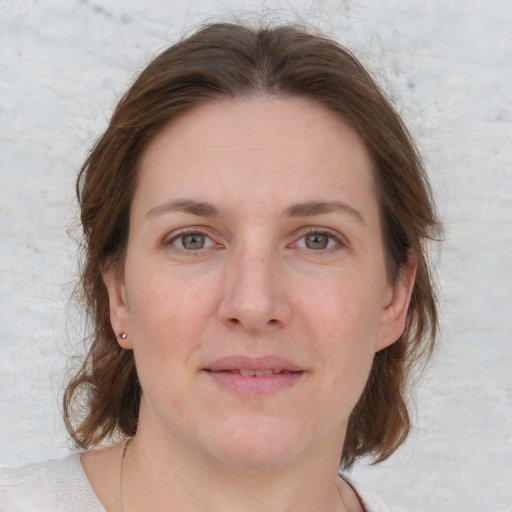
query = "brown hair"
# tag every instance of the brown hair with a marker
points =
(230, 61)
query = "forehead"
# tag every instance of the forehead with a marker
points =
(265, 147)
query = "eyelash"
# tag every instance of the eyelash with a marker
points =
(331, 235)
(340, 240)
(171, 241)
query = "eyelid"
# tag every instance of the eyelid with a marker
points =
(189, 230)
(331, 233)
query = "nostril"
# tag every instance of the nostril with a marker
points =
(272, 321)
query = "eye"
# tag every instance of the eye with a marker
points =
(192, 241)
(316, 241)
(319, 240)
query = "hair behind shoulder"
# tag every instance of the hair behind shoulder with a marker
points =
(231, 61)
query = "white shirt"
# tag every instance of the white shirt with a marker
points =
(62, 486)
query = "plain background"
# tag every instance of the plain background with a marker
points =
(448, 67)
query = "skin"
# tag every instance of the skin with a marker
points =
(286, 261)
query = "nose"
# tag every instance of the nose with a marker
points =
(255, 297)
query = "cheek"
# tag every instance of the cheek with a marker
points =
(166, 334)
(343, 318)
(164, 319)
(346, 308)
(164, 302)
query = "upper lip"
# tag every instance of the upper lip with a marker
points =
(264, 363)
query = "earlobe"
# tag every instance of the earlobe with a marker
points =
(118, 307)
(396, 305)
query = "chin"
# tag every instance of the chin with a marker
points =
(255, 445)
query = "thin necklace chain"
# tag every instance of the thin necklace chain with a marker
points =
(126, 444)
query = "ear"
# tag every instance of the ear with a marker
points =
(396, 305)
(119, 313)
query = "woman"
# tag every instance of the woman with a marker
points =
(255, 219)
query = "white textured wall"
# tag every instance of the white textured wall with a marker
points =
(448, 64)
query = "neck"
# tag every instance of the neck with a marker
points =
(156, 479)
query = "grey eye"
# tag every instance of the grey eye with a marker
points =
(193, 242)
(316, 241)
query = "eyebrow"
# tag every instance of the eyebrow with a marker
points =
(199, 208)
(206, 209)
(318, 207)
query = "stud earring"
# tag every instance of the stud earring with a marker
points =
(123, 335)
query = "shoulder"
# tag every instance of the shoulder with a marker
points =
(375, 502)
(55, 485)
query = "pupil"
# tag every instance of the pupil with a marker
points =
(317, 241)
(193, 241)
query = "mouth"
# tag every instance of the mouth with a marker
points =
(254, 376)
(255, 373)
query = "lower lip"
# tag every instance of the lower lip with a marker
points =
(254, 385)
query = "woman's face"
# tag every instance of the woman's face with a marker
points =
(254, 291)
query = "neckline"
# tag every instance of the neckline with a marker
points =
(87, 486)
(355, 491)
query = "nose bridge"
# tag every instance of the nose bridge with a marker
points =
(253, 295)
